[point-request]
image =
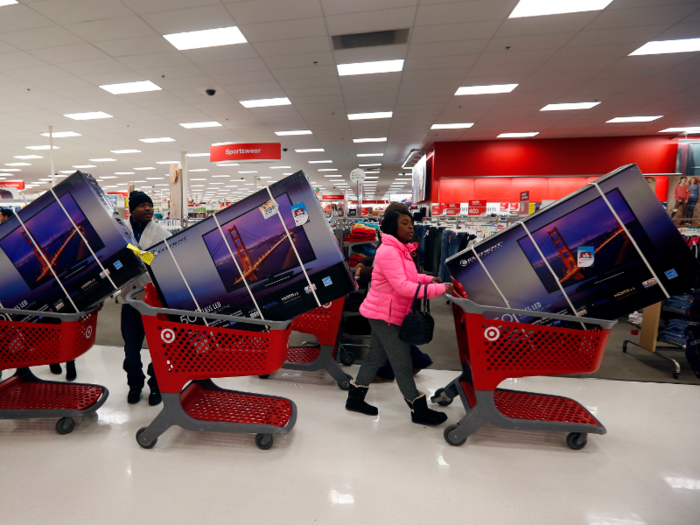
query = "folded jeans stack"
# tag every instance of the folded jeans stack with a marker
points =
(675, 331)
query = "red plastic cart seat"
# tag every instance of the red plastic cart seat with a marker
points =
(303, 354)
(234, 407)
(17, 394)
(521, 405)
(323, 323)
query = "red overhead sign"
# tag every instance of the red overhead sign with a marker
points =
(453, 208)
(333, 197)
(17, 184)
(251, 151)
(436, 209)
(477, 207)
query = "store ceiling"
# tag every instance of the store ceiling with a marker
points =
(54, 55)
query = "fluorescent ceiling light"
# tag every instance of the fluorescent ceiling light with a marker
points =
(223, 36)
(311, 150)
(376, 139)
(157, 139)
(371, 178)
(91, 115)
(7, 2)
(518, 135)
(67, 171)
(328, 169)
(168, 162)
(622, 120)
(196, 125)
(155, 178)
(556, 7)
(368, 116)
(293, 132)
(280, 167)
(125, 151)
(105, 178)
(690, 129)
(370, 154)
(569, 106)
(456, 125)
(144, 168)
(27, 157)
(368, 165)
(249, 184)
(662, 47)
(266, 102)
(247, 172)
(124, 173)
(17, 164)
(332, 176)
(62, 134)
(219, 176)
(370, 68)
(227, 164)
(127, 88)
(198, 154)
(320, 162)
(39, 148)
(81, 166)
(198, 170)
(216, 183)
(103, 160)
(196, 179)
(486, 90)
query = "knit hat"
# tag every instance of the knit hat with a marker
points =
(136, 198)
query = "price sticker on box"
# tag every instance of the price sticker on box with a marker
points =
(269, 209)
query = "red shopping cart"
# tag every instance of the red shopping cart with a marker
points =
(185, 359)
(492, 350)
(324, 324)
(55, 338)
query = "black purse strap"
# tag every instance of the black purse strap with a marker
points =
(426, 301)
(415, 297)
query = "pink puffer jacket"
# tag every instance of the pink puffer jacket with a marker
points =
(394, 282)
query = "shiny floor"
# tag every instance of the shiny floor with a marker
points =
(338, 467)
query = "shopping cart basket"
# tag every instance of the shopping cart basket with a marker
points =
(55, 338)
(492, 350)
(324, 324)
(184, 353)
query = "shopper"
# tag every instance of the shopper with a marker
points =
(147, 233)
(6, 214)
(693, 194)
(394, 283)
(680, 193)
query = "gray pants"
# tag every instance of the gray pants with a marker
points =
(385, 344)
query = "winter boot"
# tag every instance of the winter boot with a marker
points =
(356, 400)
(422, 415)
(71, 374)
(56, 369)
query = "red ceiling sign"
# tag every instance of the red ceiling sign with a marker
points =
(17, 184)
(333, 197)
(254, 151)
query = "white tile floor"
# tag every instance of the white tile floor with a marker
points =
(338, 467)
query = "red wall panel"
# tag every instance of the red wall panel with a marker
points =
(454, 190)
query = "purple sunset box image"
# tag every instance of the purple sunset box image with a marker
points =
(49, 246)
(252, 237)
(611, 279)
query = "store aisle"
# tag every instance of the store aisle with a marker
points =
(344, 468)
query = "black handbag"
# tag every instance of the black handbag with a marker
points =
(418, 326)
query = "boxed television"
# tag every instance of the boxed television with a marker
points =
(65, 251)
(606, 250)
(272, 255)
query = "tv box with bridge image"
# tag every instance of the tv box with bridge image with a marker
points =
(591, 245)
(247, 261)
(46, 254)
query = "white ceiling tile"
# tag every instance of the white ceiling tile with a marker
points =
(371, 21)
(642, 16)
(259, 11)
(529, 42)
(181, 20)
(341, 7)
(37, 73)
(308, 27)
(472, 11)
(102, 65)
(304, 60)
(450, 32)
(112, 29)
(135, 46)
(686, 30)
(21, 17)
(72, 11)
(18, 60)
(40, 37)
(154, 6)
(618, 36)
(459, 63)
(294, 46)
(540, 25)
(441, 49)
(301, 72)
(74, 53)
(173, 58)
(233, 66)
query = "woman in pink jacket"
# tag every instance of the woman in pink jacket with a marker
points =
(394, 283)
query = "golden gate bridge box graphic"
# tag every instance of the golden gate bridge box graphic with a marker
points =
(639, 256)
(248, 262)
(52, 243)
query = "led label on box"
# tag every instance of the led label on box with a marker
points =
(300, 214)
(586, 256)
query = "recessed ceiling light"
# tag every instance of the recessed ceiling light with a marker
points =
(370, 154)
(198, 170)
(376, 139)
(662, 47)
(27, 157)
(371, 178)
(293, 132)
(332, 176)
(215, 183)
(145, 168)
(249, 184)
(161, 184)
(280, 167)
(12, 169)
(456, 125)
(266, 102)
(223, 36)
(39, 148)
(125, 151)
(7, 2)
(518, 135)
(288, 174)
(368, 165)
(196, 125)
(198, 185)
(155, 178)
(220, 176)
(622, 120)
(310, 150)
(127, 88)
(103, 160)
(689, 129)
(368, 116)
(81, 166)
(139, 181)
(90, 115)
(328, 169)
(123, 172)
(370, 68)
(157, 139)
(556, 7)
(227, 164)
(247, 172)
(197, 179)
(198, 154)
(486, 90)
(168, 162)
(62, 134)
(110, 177)
(17, 164)
(67, 171)
(569, 106)
(320, 162)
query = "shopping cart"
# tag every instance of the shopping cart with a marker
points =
(184, 353)
(55, 338)
(323, 323)
(492, 350)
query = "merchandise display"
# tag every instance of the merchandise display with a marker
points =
(65, 251)
(255, 258)
(604, 251)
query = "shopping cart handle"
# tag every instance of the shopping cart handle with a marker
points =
(63, 317)
(147, 309)
(473, 308)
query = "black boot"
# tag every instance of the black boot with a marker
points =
(134, 395)
(71, 374)
(154, 397)
(356, 400)
(422, 415)
(56, 369)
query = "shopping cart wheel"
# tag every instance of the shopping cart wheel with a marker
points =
(138, 435)
(446, 434)
(675, 375)
(345, 385)
(577, 440)
(441, 398)
(265, 376)
(264, 441)
(346, 358)
(65, 425)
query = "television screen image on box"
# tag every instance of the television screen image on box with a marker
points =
(59, 241)
(261, 247)
(593, 225)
